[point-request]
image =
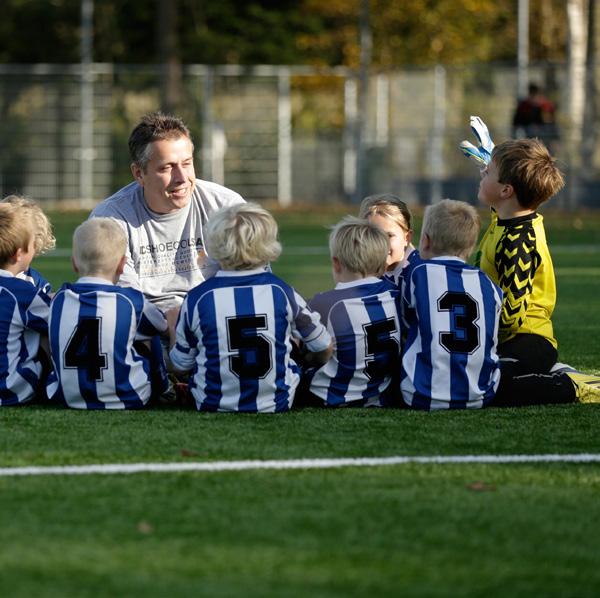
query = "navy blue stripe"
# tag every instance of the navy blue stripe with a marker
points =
(489, 318)
(87, 388)
(124, 390)
(376, 313)
(459, 381)
(244, 306)
(53, 337)
(345, 352)
(423, 370)
(208, 331)
(282, 349)
(7, 307)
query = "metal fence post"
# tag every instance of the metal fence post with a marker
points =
(284, 139)
(208, 170)
(86, 149)
(437, 137)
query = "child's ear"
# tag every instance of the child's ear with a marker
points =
(424, 242)
(507, 190)
(121, 266)
(74, 264)
(16, 256)
(335, 262)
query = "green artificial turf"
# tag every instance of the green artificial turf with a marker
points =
(422, 530)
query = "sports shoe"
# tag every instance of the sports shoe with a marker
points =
(587, 387)
(564, 368)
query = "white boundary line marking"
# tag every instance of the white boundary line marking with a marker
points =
(216, 466)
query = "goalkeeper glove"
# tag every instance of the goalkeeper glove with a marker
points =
(482, 154)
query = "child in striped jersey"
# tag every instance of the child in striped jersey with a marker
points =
(104, 339)
(235, 331)
(392, 215)
(452, 310)
(361, 314)
(43, 237)
(23, 311)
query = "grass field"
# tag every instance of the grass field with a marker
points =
(451, 529)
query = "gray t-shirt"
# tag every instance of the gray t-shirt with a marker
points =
(162, 249)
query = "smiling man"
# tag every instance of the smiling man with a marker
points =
(163, 211)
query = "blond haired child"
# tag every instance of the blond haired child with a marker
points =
(451, 309)
(44, 239)
(392, 215)
(104, 339)
(361, 315)
(235, 331)
(23, 311)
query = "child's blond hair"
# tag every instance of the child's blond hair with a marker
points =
(15, 232)
(99, 244)
(242, 237)
(387, 205)
(44, 239)
(452, 227)
(360, 247)
(526, 165)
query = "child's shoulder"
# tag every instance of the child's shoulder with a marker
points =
(22, 289)
(365, 287)
(87, 286)
(237, 279)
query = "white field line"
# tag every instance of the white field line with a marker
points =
(217, 466)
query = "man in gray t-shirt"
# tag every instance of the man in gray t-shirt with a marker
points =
(163, 212)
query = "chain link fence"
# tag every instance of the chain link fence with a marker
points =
(290, 134)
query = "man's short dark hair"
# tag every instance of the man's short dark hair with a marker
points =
(153, 127)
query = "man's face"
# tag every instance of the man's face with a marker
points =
(169, 178)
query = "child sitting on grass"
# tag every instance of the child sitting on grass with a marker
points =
(104, 339)
(392, 215)
(43, 237)
(361, 314)
(451, 309)
(235, 331)
(23, 311)
(520, 176)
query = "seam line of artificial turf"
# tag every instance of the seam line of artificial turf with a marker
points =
(329, 463)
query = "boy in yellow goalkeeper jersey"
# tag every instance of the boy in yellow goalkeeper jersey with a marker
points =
(519, 177)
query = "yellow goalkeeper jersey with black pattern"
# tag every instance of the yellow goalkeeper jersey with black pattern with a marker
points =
(514, 254)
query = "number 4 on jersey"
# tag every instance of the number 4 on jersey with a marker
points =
(83, 349)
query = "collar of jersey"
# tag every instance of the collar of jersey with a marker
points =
(517, 219)
(447, 258)
(94, 280)
(6, 273)
(357, 283)
(260, 270)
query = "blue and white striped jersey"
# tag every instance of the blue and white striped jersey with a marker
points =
(92, 329)
(362, 317)
(235, 335)
(449, 360)
(36, 279)
(23, 318)
(398, 274)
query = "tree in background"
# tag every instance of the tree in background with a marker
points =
(405, 32)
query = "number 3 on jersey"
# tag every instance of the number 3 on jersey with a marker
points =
(83, 349)
(463, 336)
